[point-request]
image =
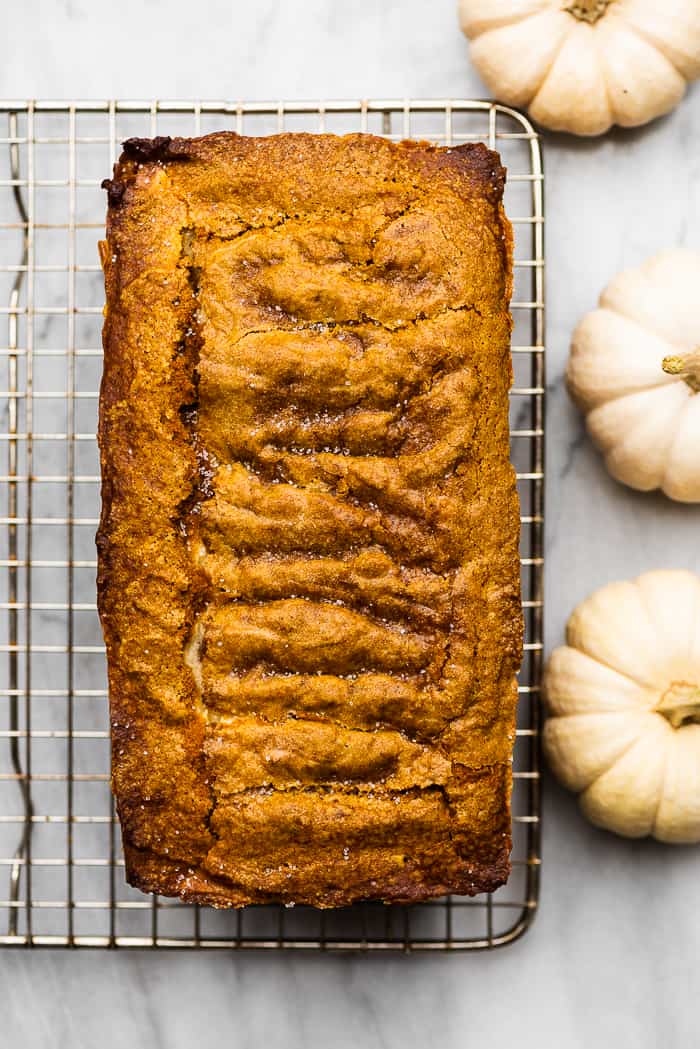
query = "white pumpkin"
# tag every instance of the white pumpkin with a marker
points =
(634, 369)
(583, 65)
(624, 703)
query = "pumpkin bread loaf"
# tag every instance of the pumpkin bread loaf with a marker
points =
(308, 552)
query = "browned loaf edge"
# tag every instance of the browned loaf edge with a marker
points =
(308, 552)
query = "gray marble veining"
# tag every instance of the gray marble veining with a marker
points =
(612, 958)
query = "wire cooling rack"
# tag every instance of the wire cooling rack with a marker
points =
(61, 869)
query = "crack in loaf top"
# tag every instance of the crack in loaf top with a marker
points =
(308, 552)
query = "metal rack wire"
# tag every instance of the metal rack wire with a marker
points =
(61, 877)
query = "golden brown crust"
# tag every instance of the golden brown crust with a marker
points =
(308, 553)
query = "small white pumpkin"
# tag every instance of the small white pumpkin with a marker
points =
(634, 369)
(624, 703)
(583, 65)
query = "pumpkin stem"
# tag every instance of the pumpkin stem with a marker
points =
(686, 365)
(680, 704)
(588, 10)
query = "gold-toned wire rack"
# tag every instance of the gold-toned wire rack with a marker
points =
(61, 869)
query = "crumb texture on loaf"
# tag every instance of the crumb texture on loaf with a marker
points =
(308, 553)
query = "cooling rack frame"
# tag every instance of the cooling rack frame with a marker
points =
(60, 858)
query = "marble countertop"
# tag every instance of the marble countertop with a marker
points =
(612, 957)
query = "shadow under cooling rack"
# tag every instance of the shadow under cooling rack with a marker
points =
(61, 869)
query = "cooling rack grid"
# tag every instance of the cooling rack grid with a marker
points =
(61, 870)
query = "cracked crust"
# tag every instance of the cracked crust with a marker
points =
(308, 553)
